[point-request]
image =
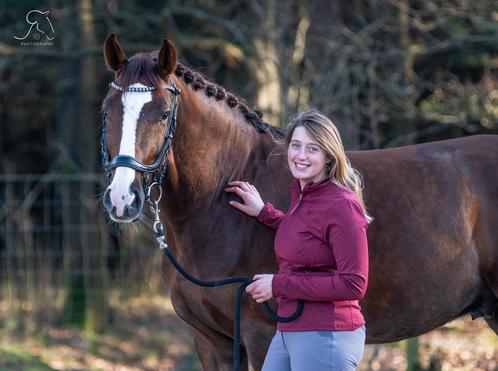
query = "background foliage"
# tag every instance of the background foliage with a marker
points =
(390, 73)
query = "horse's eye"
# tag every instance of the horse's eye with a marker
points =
(105, 116)
(164, 117)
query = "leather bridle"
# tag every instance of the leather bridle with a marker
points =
(159, 166)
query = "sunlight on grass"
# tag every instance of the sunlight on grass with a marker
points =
(144, 334)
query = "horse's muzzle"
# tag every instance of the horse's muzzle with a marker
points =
(124, 212)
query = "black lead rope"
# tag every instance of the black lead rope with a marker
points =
(245, 280)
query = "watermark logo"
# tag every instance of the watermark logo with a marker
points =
(40, 32)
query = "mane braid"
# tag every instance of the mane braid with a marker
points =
(198, 82)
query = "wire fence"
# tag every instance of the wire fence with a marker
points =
(52, 229)
(44, 217)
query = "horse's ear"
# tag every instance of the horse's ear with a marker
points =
(166, 59)
(114, 55)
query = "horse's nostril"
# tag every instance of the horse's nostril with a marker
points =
(137, 197)
(135, 207)
(107, 200)
(126, 211)
(137, 201)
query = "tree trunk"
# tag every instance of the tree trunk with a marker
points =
(74, 305)
(94, 251)
(264, 66)
(84, 253)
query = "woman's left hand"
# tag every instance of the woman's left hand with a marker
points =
(260, 289)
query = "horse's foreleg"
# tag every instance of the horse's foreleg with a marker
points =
(215, 351)
(256, 336)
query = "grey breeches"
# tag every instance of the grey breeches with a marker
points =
(315, 350)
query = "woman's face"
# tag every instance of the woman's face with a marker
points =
(306, 159)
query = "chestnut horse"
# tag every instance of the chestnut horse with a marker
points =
(433, 243)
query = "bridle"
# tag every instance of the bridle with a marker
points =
(159, 166)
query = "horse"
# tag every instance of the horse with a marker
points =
(433, 245)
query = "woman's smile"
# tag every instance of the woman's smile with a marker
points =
(300, 166)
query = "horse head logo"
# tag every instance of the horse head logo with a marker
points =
(43, 25)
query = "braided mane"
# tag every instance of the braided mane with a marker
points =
(198, 82)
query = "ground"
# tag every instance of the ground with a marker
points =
(146, 334)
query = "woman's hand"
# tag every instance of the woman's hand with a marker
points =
(252, 200)
(260, 289)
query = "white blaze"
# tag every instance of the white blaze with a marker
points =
(133, 103)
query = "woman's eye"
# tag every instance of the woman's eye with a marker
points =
(313, 149)
(295, 145)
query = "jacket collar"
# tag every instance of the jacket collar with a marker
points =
(310, 187)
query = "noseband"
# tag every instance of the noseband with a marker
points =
(158, 168)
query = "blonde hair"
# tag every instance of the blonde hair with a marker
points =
(322, 130)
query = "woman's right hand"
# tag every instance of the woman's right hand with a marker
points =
(249, 194)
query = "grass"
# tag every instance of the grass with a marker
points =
(146, 334)
(18, 359)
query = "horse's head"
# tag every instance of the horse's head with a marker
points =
(140, 117)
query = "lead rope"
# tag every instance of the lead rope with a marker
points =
(160, 234)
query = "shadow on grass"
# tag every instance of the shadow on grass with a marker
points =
(146, 336)
(21, 362)
(146, 331)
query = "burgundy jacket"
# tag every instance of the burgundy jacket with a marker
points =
(322, 254)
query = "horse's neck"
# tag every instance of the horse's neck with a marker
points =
(213, 145)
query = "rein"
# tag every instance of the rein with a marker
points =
(159, 168)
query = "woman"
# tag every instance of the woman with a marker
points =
(321, 249)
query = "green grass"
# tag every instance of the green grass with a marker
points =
(144, 333)
(20, 360)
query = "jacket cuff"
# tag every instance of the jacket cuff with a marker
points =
(276, 284)
(263, 212)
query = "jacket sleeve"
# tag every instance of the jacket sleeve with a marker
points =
(270, 216)
(346, 236)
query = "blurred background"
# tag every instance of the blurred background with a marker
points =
(77, 295)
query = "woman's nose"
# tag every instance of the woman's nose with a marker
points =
(302, 154)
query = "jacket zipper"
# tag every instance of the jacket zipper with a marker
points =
(298, 203)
